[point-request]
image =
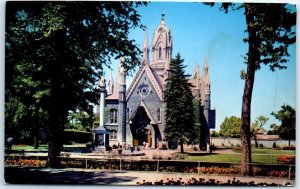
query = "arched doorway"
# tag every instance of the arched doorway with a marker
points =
(139, 129)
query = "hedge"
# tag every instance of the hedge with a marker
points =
(72, 136)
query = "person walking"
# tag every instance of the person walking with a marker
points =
(9, 143)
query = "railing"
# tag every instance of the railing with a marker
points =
(158, 165)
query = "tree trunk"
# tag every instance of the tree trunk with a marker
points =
(55, 140)
(255, 139)
(246, 168)
(36, 138)
(181, 146)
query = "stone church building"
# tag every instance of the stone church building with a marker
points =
(136, 114)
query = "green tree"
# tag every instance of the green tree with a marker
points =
(270, 29)
(231, 127)
(55, 52)
(215, 134)
(256, 126)
(81, 121)
(197, 120)
(275, 129)
(179, 108)
(287, 117)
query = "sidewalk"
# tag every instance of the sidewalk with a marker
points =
(15, 175)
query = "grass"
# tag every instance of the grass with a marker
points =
(268, 151)
(230, 158)
(261, 156)
(44, 147)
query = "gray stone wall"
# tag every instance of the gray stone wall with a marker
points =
(234, 142)
(152, 101)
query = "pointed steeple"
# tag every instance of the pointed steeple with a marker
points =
(197, 72)
(206, 76)
(146, 49)
(161, 44)
(196, 77)
(110, 84)
(162, 22)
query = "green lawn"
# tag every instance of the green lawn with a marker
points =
(262, 156)
(269, 151)
(230, 158)
(44, 147)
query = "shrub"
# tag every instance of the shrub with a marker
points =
(287, 159)
(72, 136)
(195, 148)
(261, 145)
(274, 145)
(163, 147)
(288, 148)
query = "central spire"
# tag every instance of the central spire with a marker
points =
(162, 22)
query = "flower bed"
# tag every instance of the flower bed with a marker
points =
(151, 165)
(209, 182)
(26, 162)
(287, 159)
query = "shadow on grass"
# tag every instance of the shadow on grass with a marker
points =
(25, 175)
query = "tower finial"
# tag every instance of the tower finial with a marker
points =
(163, 14)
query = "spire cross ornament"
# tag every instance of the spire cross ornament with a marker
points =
(163, 15)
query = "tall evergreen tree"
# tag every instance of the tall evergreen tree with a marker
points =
(179, 108)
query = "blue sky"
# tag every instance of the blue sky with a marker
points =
(200, 30)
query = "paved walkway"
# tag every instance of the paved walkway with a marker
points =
(15, 175)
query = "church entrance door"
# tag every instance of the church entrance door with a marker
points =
(139, 129)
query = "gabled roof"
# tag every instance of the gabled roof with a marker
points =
(142, 104)
(115, 91)
(148, 112)
(145, 68)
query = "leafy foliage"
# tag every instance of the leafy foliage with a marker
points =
(81, 121)
(257, 126)
(179, 108)
(287, 116)
(231, 127)
(55, 52)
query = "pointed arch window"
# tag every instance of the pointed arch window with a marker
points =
(159, 52)
(158, 114)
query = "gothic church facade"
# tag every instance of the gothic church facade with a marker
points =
(137, 114)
